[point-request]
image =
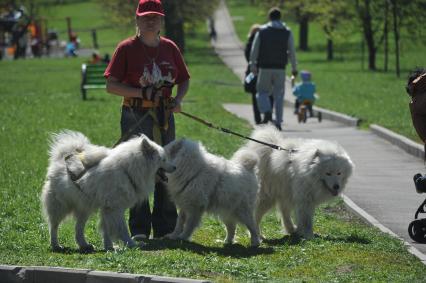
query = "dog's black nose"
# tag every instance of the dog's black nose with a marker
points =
(336, 187)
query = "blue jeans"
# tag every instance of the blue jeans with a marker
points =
(164, 214)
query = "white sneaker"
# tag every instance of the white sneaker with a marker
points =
(139, 237)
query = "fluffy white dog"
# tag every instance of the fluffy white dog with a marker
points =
(298, 179)
(204, 182)
(83, 178)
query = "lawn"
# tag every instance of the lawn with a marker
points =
(373, 96)
(39, 97)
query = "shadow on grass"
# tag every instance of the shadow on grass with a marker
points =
(235, 250)
(286, 240)
(71, 251)
(294, 240)
(351, 239)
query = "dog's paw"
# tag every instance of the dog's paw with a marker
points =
(305, 235)
(141, 245)
(109, 248)
(255, 243)
(58, 249)
(87, 249)
(132, 244)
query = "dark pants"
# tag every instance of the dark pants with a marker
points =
(164, 214)
(256, 112)
(257, 118)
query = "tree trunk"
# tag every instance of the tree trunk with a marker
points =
(329, 49)
(175, 32)
(396, 35)
(303, 33)
(369, 36)
(385, 34)
(371, 58)
(174, 24)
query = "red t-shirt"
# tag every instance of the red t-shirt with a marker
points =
(134, 64)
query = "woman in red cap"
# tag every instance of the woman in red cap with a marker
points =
(143, 70)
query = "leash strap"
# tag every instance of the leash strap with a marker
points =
(132, 129)
(277, 147)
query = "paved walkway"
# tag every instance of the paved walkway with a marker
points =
(382, 183)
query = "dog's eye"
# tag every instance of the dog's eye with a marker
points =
(328, 174)
(338, 173)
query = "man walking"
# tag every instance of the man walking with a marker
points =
(272, 47)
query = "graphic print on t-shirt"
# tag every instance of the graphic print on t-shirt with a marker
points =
(155, 77)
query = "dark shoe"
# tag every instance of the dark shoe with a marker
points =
(278, 127)
(267, 118)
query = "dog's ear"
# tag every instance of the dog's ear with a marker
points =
(147, 149)
(316, 156)
(174, 148)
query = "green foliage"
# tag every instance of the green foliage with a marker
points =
(410, 13)
(121, 12)
(334, 16)
(193, 11)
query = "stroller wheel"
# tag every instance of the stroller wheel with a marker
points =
(417, 230)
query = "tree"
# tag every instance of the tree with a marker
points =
(371, 17)
(300, 8)
(407, 15)
(332, 15)
(386, 35)
(396, 33)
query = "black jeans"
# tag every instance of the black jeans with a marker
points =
(164, 214)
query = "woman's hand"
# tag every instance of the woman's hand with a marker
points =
(177, 108)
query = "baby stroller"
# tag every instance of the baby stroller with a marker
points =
(417, 228)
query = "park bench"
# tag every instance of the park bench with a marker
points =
(92, 77)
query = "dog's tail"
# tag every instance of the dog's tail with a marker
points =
(65, 143)
(246, 158)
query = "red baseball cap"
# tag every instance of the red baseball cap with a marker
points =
(146, 7)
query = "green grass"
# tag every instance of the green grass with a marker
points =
(42, 96)
(343, 86)
(85, 16)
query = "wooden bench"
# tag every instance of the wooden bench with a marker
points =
(92, 77)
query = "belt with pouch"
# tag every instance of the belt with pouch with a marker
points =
(140, 103)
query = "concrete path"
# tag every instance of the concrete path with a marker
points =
(382, 184)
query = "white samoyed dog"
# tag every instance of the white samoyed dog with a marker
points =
(83, 178)
(298, 179)
(204, 182)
